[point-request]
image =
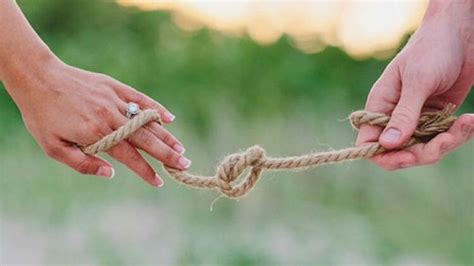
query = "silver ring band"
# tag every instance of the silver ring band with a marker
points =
(132, 110)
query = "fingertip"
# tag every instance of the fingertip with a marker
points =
(381, 161)
(157, 181)
(433, 151)
(392, 161)
(466, 122)
(184, 162)
(368, 134)
(405, 159)
(407, 163)
(106, 172)
(168, 117)
(360, 138)
(391, 138)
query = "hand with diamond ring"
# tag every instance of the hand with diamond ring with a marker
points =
(64, 107)
(435, 68)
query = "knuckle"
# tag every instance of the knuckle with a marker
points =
(169, 156)
(98, 130)
(135, 157)
(467, 125)
(102, 76)
(103, 112)
(402, 115)
(432, 158)
(132, 94)
(168, 139)
(466, 119)
(421, 79)
(390, 168)
(145, 138)
(106, 91)
(83, 167)
(388, 95)
(143, 170)
(144, 100)
(436, 158)
(105, 79)
(447, 147)
(157, 106)
(415, 73)
(384, 164)
(52, 151)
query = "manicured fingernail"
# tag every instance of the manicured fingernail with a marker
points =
(158, 182)
(168, 117)
(391, 135)
(183, 162)
(178, 148)
(106, 171)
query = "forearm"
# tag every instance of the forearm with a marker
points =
(453, 7)
(459, 15)
(21, 50)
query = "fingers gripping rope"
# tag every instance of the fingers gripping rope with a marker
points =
(256, 161)
(123, 132)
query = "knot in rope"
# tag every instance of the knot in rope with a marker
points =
(234, 165)
(254, 160)
(231, 167)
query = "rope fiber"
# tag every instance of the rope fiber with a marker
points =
(254, 159)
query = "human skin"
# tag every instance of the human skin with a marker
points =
(64, 107)
(435, 68)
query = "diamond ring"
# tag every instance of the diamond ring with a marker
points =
(132, 110)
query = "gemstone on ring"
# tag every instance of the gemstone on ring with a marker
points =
(132, 109)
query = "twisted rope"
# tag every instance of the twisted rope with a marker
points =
(256, 161)
(123, 132)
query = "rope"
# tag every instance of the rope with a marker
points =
(256, 161)
(123, 132)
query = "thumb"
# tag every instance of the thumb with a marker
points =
(83, 163)
(403, 121)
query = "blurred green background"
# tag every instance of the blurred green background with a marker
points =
(228, 94)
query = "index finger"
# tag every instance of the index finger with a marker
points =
(383, 98)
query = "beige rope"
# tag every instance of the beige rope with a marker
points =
(256, 161)
(123, 132)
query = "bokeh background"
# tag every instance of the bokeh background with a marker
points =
(280, 74)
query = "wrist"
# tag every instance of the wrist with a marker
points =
(454, 8)
(24, 80)
(458, 15)
(20, 67)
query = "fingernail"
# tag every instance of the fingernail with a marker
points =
(158, 182)
(168, 117)
(179, 149)
(106, 171)
(183, 162)
(391, 135)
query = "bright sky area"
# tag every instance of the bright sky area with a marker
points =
(361, 28)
